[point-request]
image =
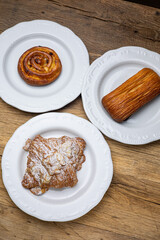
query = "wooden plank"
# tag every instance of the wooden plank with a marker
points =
(119, 214)
(102, 28)
(36, 229)
(130, 209)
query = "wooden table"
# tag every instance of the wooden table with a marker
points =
(130, 208)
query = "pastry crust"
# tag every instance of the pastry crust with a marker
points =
(52, 162)
(132, 94)
(39, 66)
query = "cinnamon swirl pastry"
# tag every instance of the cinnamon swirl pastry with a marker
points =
(52, 162)
(39, 66)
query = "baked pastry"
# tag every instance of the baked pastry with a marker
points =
(52, 162)
(39, 66)
(132, 94)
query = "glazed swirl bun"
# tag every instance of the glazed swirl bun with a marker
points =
(39, 66)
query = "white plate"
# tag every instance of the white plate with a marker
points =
(107, 73)
(60, 204)
(71, 51)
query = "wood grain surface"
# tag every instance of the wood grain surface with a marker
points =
(130, 209)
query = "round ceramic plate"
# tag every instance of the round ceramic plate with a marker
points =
(59, 204)
(71, 51)
(107, 73)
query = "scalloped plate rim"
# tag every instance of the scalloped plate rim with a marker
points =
(89, 115)
(64, 103)
(5, 180)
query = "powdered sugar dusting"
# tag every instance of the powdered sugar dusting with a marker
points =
(52, 162)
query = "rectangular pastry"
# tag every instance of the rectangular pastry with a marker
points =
(138, 90)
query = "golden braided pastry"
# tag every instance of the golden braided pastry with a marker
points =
(138, 90)
(39, 66)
